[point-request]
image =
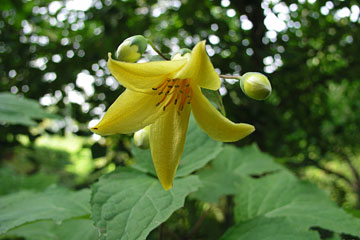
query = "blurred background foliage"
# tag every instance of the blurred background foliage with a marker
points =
(55, 53)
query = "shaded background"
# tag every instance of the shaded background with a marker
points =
(55, 52)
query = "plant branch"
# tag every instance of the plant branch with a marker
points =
(329, 171)
(198, 224)
(161, 231)
(157, 50)
(354, 171)
(230, 76)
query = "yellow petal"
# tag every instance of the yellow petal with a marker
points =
(130, 112)
(214, 123)
(167, 138)
(143, 76)
(200, 70)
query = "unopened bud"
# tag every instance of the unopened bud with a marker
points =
(255, 85)
(181, 53)
(141, 138)
(131, 49)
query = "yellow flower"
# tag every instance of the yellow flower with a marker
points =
(162, 94)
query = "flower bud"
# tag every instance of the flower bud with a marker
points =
(255, 85)
(141, 138)
(181, 53)
(131, 49)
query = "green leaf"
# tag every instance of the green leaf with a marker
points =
(268, 229)
(215, 98)
(303, 204)
(12, 181)
(199, 149)
(55, 203)
(16, 110)
(228, 167)
(128, 204)
(73, 229)
(335, 237)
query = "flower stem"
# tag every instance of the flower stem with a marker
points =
(230, 77)
(157, 50)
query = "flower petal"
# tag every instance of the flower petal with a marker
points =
(143, 76)
(214, 124)
(167, 139)
(200, 70)
(130, 112)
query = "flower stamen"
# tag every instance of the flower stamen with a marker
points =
(180, 91)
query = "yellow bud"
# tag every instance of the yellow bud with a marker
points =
(141, 138)
(255, 85)
(131, 49)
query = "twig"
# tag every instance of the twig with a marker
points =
(354, 172)
(157, 50)
(198, 224)
(230, 76)
(329, 171)
(161, 231)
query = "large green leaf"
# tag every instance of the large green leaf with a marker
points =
(268, 229)
(73, 229)
(199, 149)
(16, 110)
(55, 203)
(128, 204)
(12, 181)
(228, 167)
(303, 204)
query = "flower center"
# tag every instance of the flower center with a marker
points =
(174, 90)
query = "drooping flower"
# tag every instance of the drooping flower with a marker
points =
(162, 94)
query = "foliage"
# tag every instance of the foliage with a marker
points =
(56, 204)
(129, 203)
(227, 170)
(15, 110)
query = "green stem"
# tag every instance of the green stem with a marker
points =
(230, 77)
(157, 50)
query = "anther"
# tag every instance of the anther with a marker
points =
(174, 91)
